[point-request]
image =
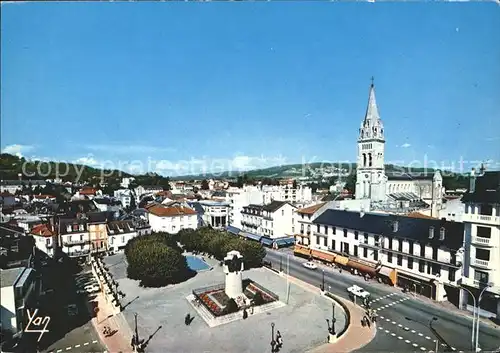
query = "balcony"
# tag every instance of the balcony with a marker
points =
(481, 241)
(78, 253)
(480, 263)
(75, 242)
(483, 219)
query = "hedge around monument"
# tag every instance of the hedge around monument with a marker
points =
(154, 263)
(218, 244)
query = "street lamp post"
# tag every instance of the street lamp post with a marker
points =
(473, 316)
(281, 263)
(323, 281)
(477, 315)
(333, 320)
(273, 342)
(432, 329)
(436, 334)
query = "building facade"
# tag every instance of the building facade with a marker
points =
(425, 252)
(74, 237)
(45, 239)
(482, 244)
(274, 220)
(172, 219)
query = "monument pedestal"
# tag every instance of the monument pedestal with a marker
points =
(233, 268)
(332, 338)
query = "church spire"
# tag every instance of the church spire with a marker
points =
(372, 127)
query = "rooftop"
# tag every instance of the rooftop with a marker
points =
(10, 276)
(162, 211)
(311, 209)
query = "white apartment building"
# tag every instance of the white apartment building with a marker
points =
(482, 244)
(124, 196)
(239, 198)
(452, 210)
(171, 219)
(303, 219)
(45, 238)
(119, 234)
(17, 293)
(424, 252)
(286, 193)
(74, 237)
(143, 190)
(272, 221)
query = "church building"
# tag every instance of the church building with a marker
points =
(403, 191)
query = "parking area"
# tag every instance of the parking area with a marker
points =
(302, 322)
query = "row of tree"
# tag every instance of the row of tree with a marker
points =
(218, 244)
(156, 260)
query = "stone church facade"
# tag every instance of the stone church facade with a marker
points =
(391, 191)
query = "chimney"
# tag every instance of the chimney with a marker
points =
(472, 181)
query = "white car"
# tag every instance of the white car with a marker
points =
(92, 289)
(310, 265)
(358, 292)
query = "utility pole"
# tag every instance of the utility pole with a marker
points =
(288, 278)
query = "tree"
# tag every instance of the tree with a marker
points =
(154, 263)
(204, 185)
(351, 182)
(231, 307)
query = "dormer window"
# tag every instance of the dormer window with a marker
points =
(395, 226)
(442, 234)
(431, 232)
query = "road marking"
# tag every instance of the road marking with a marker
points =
(381, 317)
(59, 350)
(420, 334)
(393, 334)
(407, 341)
(77, 346)
(394, 322)
(442, 344)
(94, 341)
(380, 328)
(406, 329)
(388, 320)
(415, 345)
(86, 343)
(427, 337)
(386, 331)
(68, 348)
(423, 349)
(400, 338)
(413, 331)
(399, 325)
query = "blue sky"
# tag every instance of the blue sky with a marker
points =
(248, 84)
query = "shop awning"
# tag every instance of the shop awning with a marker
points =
(251, 236)
(233, 230)
(325, 256)
(414, 277)
(341, 260)
(285, 241)
(298, 249)
(266, 241)
(390, 273)
(361, 267)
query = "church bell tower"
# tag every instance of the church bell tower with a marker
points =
(371, 179)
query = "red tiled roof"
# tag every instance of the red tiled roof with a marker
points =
(88, 191)
(42, 230)
(419, 215)
(162, 211)
(311, 209)
(6, 194)
(44, 197)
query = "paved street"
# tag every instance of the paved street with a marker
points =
(395, 332)
(70, 330)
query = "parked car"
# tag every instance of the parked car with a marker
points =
(358, 292)
(310, 265)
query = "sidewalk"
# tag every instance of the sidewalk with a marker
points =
(120, 341)
(355, 337)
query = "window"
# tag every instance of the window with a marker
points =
(47, 242)
(410, 263)
(422, 250)
(302, 228)
(308, 229)
(482, 254)
(325, 241)
(111, 240)
(481, 277)
(123, 239)
(365, 252)
(400, 245)
(434, 253)
(333, 244)
(451, 274)
(81, 237)
(486, 210)
(345, 233)
(395, 226)
(442, 233)
(346, 248)
(356, 250)
(334, 230)
(356, 235)
(317, 240)
(326, 230)
(317, 228)
(411, 247)
(400, 259)
(389, 257)
(484, 232)
(421, 266)
(375, 255)
(377, 238)
(436, 269)
(390, 243)
(431, 232)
